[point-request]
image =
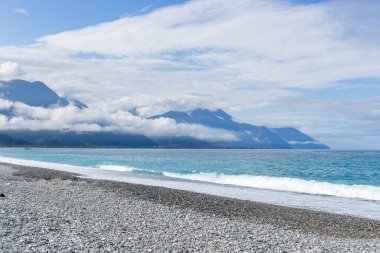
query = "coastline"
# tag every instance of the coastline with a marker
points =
(250, 222)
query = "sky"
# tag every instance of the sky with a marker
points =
(313, 65)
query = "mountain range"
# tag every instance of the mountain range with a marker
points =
(38, 94)
(34, 94)
(250, 136)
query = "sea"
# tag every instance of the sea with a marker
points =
(342, 182)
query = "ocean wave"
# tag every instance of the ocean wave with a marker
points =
(118, 168)
(127, 168)
(286, 184)
(46, 165)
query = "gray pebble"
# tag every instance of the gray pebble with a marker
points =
(66, 215)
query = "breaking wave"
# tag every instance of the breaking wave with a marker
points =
(118, 168)
(367, 192)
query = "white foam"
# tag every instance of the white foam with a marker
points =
(286, 184)
(47, 165)
(118, 168)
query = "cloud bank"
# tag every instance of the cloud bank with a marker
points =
(104, 119)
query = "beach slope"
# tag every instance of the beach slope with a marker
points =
(53, 211)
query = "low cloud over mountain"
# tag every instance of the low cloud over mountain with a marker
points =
(33, 114)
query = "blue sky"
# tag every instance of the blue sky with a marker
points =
(44, 17)
(311, 64)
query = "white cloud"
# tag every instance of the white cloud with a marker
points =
(10, 70)
(267, 41)
(22, 11)
(101, 118)
(210, 48)
(243, 55)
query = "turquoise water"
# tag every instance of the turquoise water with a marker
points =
(341, 167)
(345, 182)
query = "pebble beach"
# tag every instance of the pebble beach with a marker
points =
(45, 210)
